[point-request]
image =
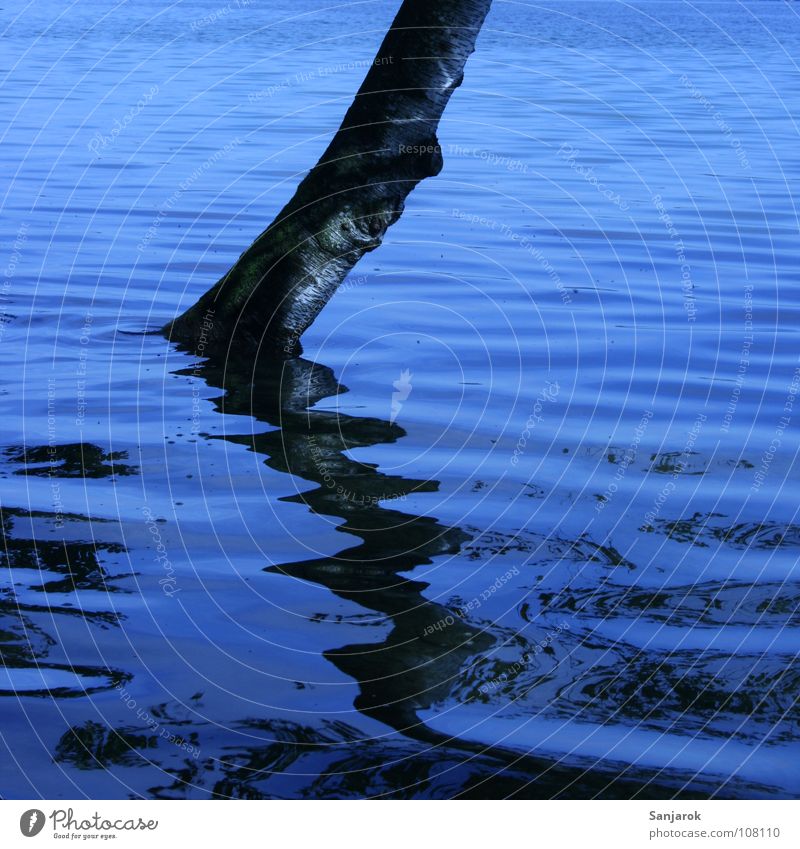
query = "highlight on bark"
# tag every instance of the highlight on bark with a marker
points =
(343, 207)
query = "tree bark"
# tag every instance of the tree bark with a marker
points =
(341, 210)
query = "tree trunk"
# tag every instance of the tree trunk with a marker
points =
(341, 210)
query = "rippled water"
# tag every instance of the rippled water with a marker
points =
(536, 535)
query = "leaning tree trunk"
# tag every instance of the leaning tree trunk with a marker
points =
(341, 210)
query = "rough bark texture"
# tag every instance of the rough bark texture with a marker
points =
(386, 144)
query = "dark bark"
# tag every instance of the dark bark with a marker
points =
(341, 210)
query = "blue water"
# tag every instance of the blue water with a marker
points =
(544, 545)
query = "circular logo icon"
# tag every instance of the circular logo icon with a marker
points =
(31, 822)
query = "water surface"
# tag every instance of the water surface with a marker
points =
(521, 521)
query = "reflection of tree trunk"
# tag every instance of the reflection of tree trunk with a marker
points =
(385, 146)
(421, 657)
